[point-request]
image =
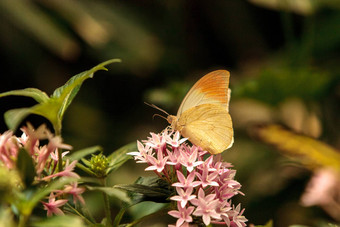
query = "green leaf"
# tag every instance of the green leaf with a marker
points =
(61, 221)
(25, 167)
(110, 191)
(34, 93)
(52, 108)
(84, 152)
(147, 189)
(65, 94)
(119, 157)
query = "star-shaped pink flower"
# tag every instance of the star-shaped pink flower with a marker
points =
(183, 196)
(157, 164)
(207, 179)
(186, 182)
(183, 214)
(53, 205)
(206, 207)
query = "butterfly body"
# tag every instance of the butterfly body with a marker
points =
(203, 116)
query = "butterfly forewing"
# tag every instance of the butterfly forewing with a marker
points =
(212, 88)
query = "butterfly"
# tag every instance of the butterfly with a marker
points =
(203, 116)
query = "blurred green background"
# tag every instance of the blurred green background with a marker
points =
(283, 57)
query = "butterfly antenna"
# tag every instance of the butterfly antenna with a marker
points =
(158, 115)
(157, 108)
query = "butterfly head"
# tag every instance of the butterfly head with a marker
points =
(172, 121)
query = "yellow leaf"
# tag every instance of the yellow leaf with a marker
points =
(309, 152)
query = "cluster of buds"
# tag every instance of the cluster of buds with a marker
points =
(203, 183)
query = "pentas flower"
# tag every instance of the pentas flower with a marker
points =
(203, 183)
(45, 159)
(53, 205)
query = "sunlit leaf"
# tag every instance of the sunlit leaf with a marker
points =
(52, 108)
(119, 157)
(84, 152)
(307, 151)
(110, 191)
(34, 93)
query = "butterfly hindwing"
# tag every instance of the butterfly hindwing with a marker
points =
(208, 126)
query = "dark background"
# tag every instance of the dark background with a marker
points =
(283, 59)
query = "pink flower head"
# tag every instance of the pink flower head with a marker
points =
(183, 214)
(67, 172)
(204, 183)
(34, 135)
(75, 191)
(142, 153)
(322, 188)
(53, 205)
(234, 217)
(157, 141)
(8, 149)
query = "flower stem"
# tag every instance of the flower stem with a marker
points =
(107, 205)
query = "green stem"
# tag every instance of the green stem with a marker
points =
(119, 217)
(57, 131)
(80, 215)
(107, 205)
(22, 220)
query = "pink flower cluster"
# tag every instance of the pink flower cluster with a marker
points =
(203, 182)
(45, 159)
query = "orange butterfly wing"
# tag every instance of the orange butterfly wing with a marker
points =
(212, 88)
(203, 116)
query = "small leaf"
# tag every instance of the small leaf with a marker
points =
(110, 191)
(34, 93)
(119, 157)
(147, 189)
(52, 108)
(308, 151)
(25, 167)
(61, 221)
(84, 152)
(65, 94)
